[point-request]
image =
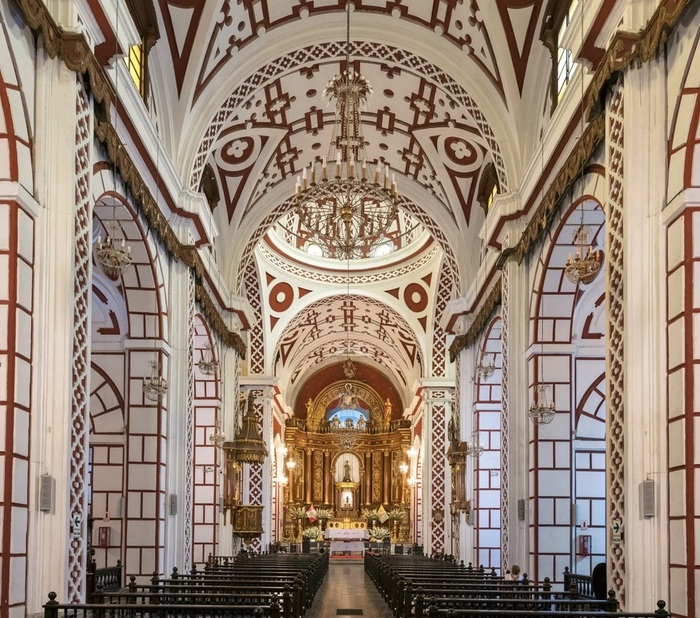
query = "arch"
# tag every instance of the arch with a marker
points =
(142, 284)
(16, 130)
(316, 415)
(553, 321)
(554, 364)
(684, 133)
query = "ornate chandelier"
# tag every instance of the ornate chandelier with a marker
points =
(542, 408)
(155, 386)
(346, 208)
(487, 365)
(113, 255)
(217, 437)
(474, 447)
(208, 364)
(585, 265)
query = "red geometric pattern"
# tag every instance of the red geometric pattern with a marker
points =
(438, 469)
(336, 278)
(615, 375)
(439, 356)
(256, 347)
(316, 332)
(189, 425)
(460, 25)
(505, 521)
(81, 338)
(255, 480)
(379, 52)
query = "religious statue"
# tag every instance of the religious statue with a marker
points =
(347, 478)
(309, 408)
(335, 422)
(387, 413)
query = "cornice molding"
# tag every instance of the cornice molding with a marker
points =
(460, 342)
(636, 48)
(72, 48)
(570, 172)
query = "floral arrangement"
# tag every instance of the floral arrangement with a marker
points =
(397, 514)
(370, 515)
(379, 533)
(311, 533)
(323, 514)
(296, 513)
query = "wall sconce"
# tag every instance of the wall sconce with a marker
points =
(412, 453)
(411, 480)
(403, 467)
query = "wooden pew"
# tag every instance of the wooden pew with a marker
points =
(433, 611)
(453, 590)
(104, 578)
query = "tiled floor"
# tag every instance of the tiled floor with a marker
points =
(346, 587)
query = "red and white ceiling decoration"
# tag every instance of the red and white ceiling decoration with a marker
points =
(248, 77)
(372, 331)
(309, 317)
(422, 131)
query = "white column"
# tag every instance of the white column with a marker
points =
(53, 346)
(467, 365)
(515, 540)
(645, 540)
(179, 438)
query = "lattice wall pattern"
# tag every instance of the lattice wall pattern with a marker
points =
(438, 469)
(505, 521)
(256, 347)
(256, 470)
(615, 374)
(189, 422)
(81, 341)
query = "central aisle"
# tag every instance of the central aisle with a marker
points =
(347, 588)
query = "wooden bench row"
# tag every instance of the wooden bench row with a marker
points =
(259, 586)
(414, 588)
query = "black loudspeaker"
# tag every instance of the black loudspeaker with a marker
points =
(521, 509)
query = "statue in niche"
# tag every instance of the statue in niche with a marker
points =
(347, 477)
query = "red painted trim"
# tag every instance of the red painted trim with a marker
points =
(692, 141)
(689, 371)
(12, 288)
(10, 128)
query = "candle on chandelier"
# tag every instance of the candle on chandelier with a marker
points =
(324, 169)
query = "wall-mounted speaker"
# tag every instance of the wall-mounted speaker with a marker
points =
(173, 504)
(521, 509)
(646, 499)
(47, 493)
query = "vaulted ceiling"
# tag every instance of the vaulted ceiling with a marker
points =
(238, 90)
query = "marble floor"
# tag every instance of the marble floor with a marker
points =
(347, 588)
